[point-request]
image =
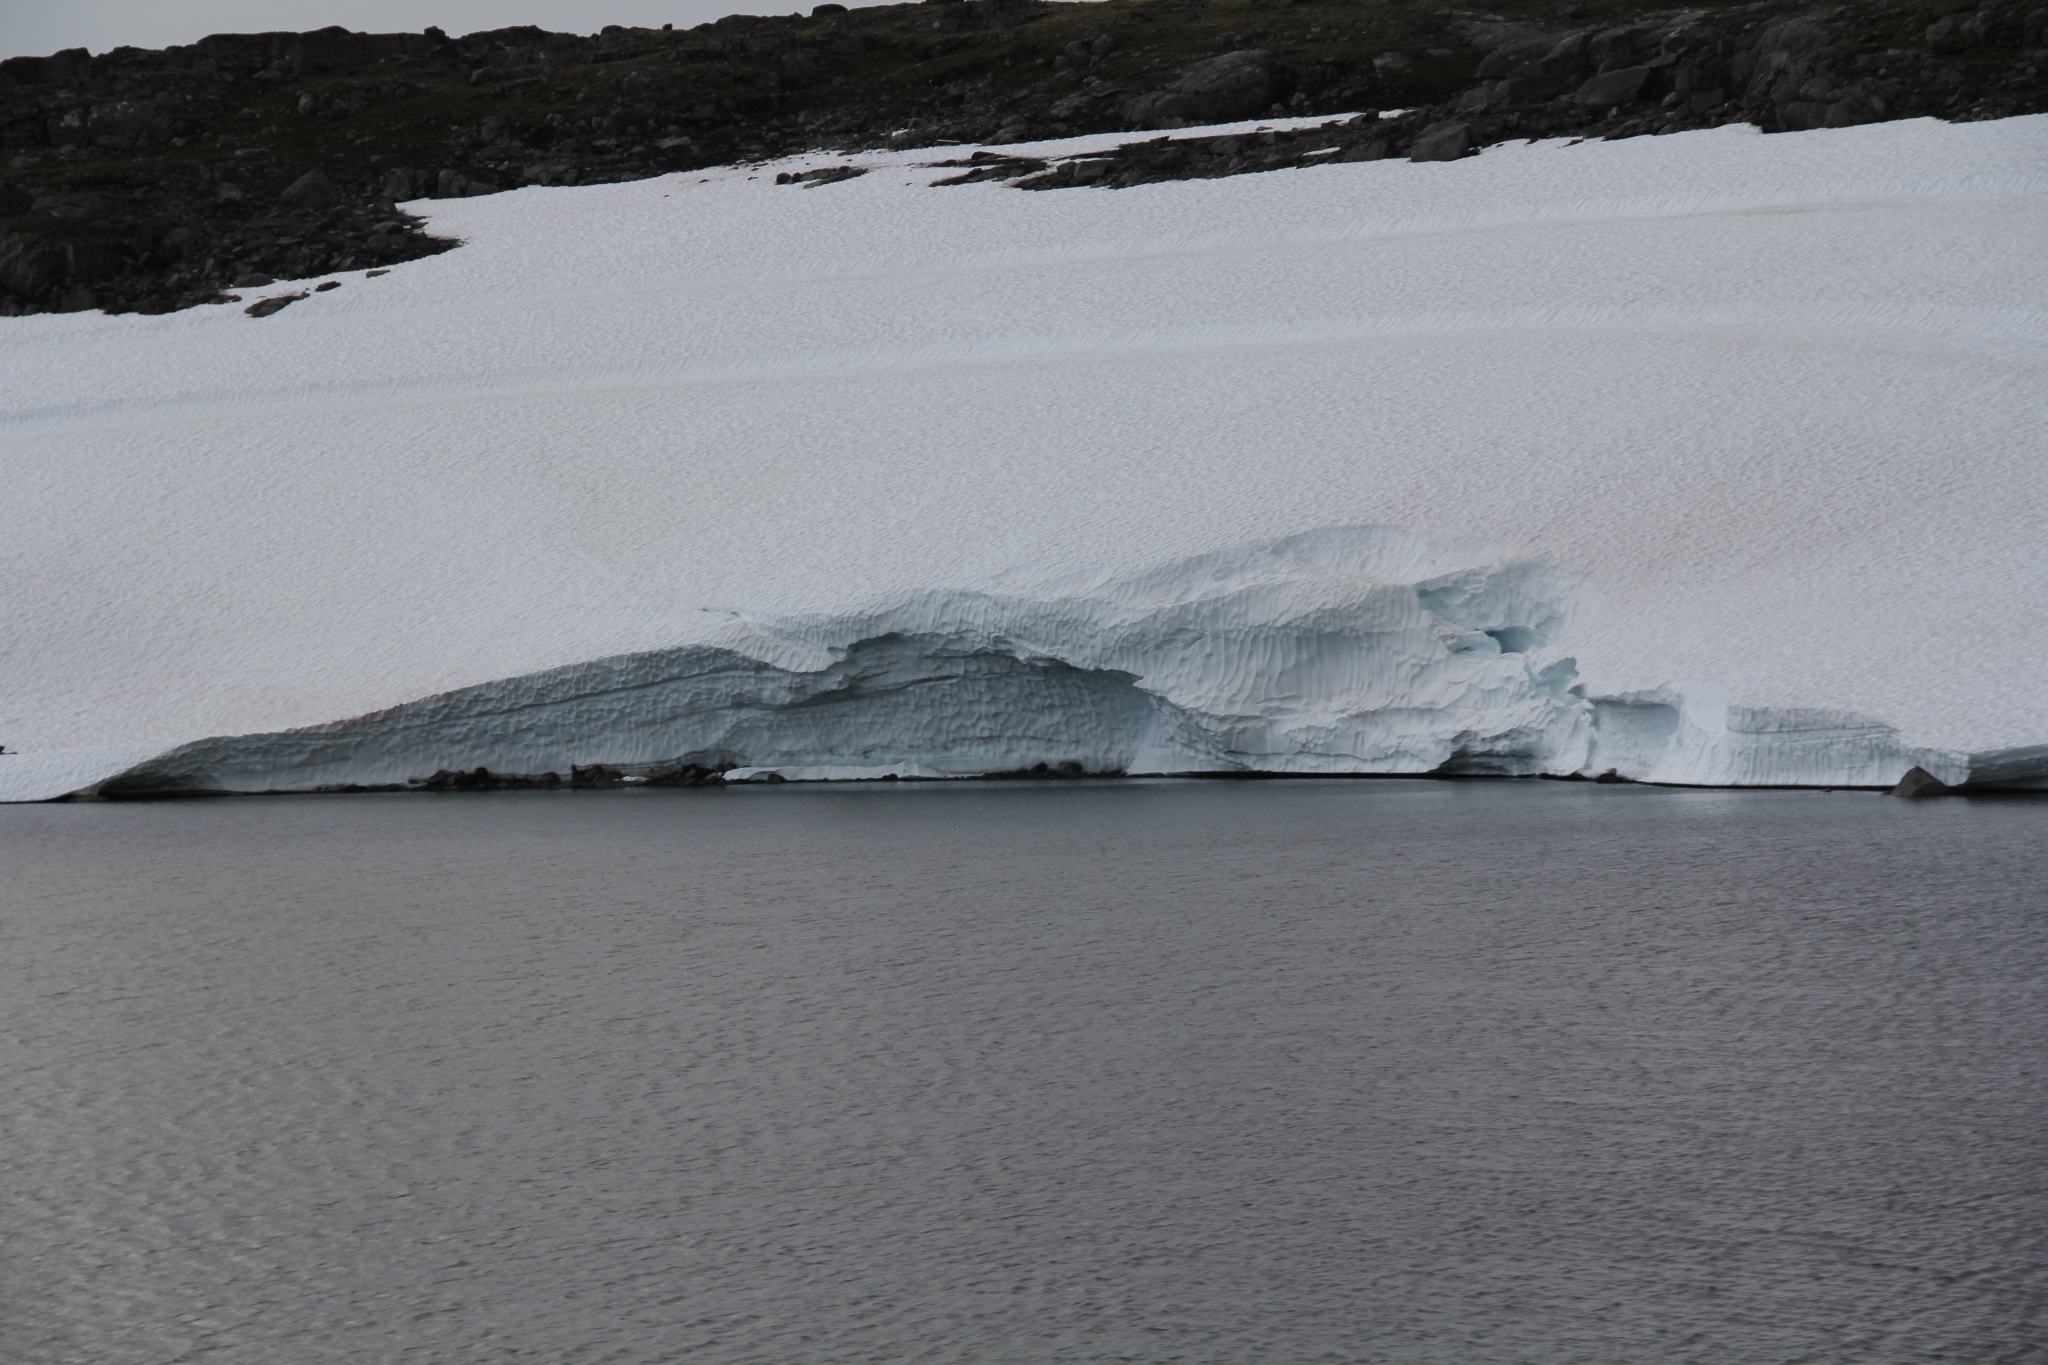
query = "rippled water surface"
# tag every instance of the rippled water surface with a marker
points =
(1274, 1072)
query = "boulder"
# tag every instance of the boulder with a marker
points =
(263, 308)
(27, 271)
(1690, 39)
(1918, 782)
(92, 259)
(1610, 88)
(1614, 48)
(1234, 86)
(182, 243)
(1501, 95)
(1854, 107)
(1520, 90)
(1442, 142)
(404, 183)
(823, 175)
(1541, 67)
(72, 205)
(1514, 58)
(1075, 103)
(1783, 47)
(312, 191)
(1945, 35)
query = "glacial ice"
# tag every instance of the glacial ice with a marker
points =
(1351, 650)
(1714, 458)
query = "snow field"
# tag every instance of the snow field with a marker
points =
(1771, 406)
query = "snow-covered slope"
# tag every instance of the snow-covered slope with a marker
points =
(1713, 457)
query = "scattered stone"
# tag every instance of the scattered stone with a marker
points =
(326, 285)
(991, 166)
(263, 308)
(824, 175)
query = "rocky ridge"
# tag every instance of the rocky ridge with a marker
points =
(155, 180)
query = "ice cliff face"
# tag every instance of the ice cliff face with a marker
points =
(1352, 650)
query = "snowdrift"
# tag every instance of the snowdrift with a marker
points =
(1710, 458)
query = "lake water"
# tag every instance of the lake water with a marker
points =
(1172, 1071)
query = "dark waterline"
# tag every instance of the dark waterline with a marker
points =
(1277, 1071)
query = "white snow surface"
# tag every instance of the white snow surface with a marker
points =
(1710, 458)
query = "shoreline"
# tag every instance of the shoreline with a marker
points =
(610, 778)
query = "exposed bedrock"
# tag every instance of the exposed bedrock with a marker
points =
(148, 181)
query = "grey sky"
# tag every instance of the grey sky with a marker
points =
(38, 27)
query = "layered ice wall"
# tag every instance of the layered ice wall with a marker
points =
(1713, 458)
(1322, 653)
(1352, 650)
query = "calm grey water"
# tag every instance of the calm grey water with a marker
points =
(1274, 1072)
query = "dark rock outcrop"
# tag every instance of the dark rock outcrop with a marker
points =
(589, 777)
(147, 181)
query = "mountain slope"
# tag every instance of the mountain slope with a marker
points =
(151, 181)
